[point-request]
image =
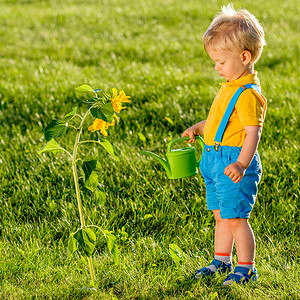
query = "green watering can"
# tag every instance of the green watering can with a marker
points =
(180, 163)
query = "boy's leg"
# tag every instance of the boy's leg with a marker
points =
(244, 239)
(245, 248)
(223, 234)
(223, 249)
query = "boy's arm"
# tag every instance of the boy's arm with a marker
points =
(196, 129)
(237, 170)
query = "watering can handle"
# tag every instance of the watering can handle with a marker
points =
(179, 140)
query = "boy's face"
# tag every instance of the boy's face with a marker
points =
(230, 63)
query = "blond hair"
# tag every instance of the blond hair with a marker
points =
(235, 29)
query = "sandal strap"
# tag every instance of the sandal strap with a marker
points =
(216, 262)
(208, 271)
(220, 267)
(241, 275)
(234, 277)
(248, 273)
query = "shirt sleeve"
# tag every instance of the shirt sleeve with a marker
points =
(251, 108)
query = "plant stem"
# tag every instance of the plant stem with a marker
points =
(77, 189)
(92, 271)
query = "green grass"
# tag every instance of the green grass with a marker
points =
(153, 50)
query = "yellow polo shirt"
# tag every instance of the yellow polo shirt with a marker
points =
(249, 110)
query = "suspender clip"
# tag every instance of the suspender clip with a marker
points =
(216, 146)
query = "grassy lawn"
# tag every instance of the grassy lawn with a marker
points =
(153, 50)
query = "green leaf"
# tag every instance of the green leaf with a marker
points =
(85, 88)
(91, 169)
(90, 166)
(110, 239)
(86, 239)
(92, 182)
(176, 253)
(108, 110)
(69, 116)
(112, 246)
(109, 148)
(51, 146)
(97, 113)
(72, 247)
(55, 129)
(105, 112)
(100, 196)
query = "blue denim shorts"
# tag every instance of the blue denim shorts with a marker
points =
(235, 200)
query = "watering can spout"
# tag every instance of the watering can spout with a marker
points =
(163, 162)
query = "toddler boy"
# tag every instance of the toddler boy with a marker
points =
(230, 162)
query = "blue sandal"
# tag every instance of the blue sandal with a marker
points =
(241, 275)
(220, 267)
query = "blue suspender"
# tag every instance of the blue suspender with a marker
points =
(227, 114)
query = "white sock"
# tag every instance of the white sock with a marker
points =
(223, 257)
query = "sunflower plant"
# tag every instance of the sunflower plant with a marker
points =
(103, 107)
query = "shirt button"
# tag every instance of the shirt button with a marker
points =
(207, 149)
(223, 85)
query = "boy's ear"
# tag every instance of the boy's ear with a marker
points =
(246, 57)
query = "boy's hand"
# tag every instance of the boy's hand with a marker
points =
(196, 129)
(235, 171)
(189, 132)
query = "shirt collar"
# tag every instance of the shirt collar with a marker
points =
(251, 78)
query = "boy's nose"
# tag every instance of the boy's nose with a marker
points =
(217, 67)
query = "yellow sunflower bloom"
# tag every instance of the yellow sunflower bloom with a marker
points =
(113, 122)
(117, 106)
(101, 125)
(116, 102)
(118, 99)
